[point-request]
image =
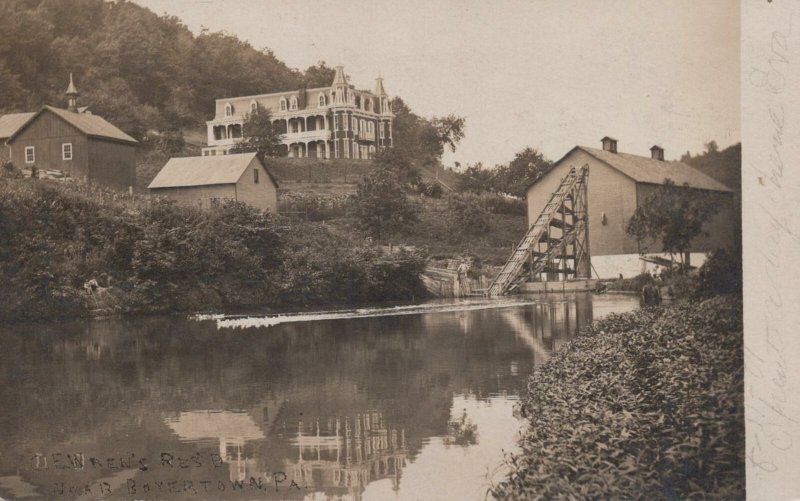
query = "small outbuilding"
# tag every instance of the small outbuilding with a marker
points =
(72, 141)
(617, 184)
(206, 181)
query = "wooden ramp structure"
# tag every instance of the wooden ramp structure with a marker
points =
(556, 246)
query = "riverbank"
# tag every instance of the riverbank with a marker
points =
(71, 250)
(642, 405)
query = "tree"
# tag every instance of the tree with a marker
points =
(381, 206)
(171, 142)
(399, 163)
(450, 130)
(320, 75)
(673, 215)
(528, 166)
(259, 135)
(422, 139)
(476, 179)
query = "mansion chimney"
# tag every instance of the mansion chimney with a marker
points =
(657, 152)
(609, 144)
(72, 96)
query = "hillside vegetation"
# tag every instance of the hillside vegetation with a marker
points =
(148, 255)
(643, 405)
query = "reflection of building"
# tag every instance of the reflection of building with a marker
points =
(231, 429)
(547, 326)
(327, 122)
(346, 453)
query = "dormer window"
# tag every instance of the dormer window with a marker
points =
(358, 102)
(293, 103)
(253, 106)
(283, 104)
(322, 100)
(369, 105)
(228, 110)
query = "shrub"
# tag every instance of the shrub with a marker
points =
(468, 217)
(721, 273)
(314, 207)
(643, 405)
(432, 190)
(161, 257)
(10, 171)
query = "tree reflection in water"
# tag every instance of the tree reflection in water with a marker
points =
(338, 406)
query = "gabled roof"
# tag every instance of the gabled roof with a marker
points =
(9, 124)
(91, 125)
(651, 171)
(204, 171)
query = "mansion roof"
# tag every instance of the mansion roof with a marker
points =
(317, 98)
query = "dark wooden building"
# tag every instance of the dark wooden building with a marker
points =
(80, 145)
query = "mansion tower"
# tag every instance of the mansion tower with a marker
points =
(327, 122)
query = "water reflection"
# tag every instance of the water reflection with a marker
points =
(413, 406)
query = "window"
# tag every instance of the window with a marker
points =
(369, 105)
(283, 104)
(363, 126)
(381, 131)
(255, 176)
(293, 103)
(66, 151)
(30, 154)
(253, 106)
(321, 100)
(228, 110)
(345, 122)
(335, 121)
(355, 124)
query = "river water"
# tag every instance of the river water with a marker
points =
(379, 403)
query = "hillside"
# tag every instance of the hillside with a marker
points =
(139, 70)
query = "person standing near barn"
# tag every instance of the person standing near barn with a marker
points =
(462, 277)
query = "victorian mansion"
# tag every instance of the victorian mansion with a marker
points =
(327, 122)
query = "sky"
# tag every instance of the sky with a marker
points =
(545, 74)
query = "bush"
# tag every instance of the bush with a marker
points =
(721, 273)
(432, 190)
(644, 405)
(314, 207)
(10, 171)
(161, 257)
(467, 217)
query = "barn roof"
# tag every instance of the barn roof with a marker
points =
(9, 124)
(651, 171)
(91, 125)
(204, 171)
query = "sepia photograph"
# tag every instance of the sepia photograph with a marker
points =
(376, 250)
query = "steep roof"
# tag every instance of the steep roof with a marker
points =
(648, 170)
(204, 171)
(91, 125)
(9, 124)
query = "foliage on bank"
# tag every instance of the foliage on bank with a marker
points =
(150, 255)
(643, 405)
